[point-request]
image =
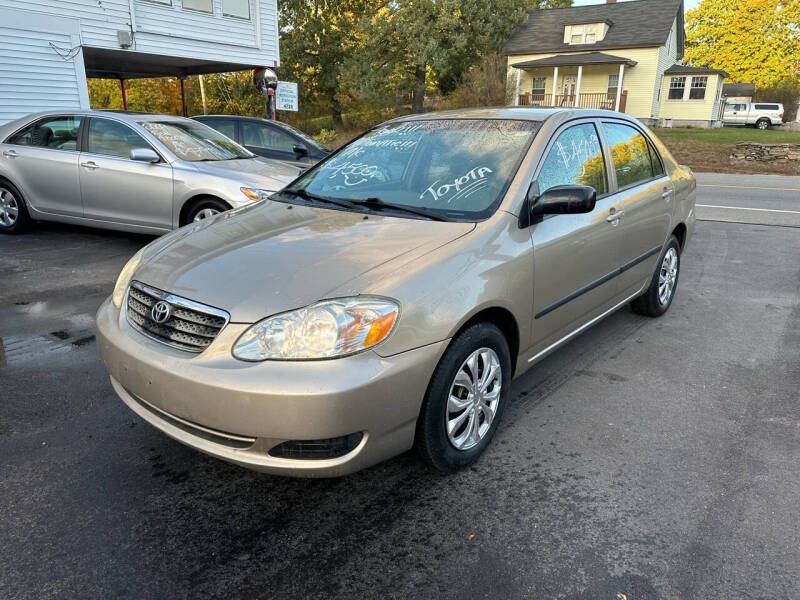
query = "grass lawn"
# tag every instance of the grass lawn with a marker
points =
(710, 149)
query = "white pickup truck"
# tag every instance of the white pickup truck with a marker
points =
(759, 114)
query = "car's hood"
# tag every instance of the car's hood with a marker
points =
(274, 257)
(272, 175)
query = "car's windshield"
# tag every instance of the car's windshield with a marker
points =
(193, 141)
(457, 167)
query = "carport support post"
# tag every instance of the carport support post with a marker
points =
(183, 97)
(555, 86)
(124, 95)
(619, 85)
(578, 87)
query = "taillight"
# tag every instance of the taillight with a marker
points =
(781, 116)
(694, 184)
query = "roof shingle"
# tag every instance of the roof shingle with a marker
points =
(636, 24)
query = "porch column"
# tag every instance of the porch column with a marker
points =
(516, 94)
(555, 85)
(578, 87)
(124, 95)
(619, 85)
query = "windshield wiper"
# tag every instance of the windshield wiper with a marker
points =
(302, 193)
(378, 204)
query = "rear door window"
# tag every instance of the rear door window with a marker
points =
(257, 135)
(226, 127)
(57, 133)
(630, 153)
(575, 158)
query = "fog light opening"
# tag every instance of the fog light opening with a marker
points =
(317, 449)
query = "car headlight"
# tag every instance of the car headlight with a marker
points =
(327, 329)
(256, 194)
(124, 279)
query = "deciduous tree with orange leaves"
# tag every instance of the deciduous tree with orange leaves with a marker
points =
(754, 41)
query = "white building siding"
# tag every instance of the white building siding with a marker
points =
(667, 56)
(33, 74)
(171, 30)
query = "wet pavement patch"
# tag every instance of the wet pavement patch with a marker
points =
(22, 349)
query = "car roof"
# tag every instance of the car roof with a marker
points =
(125, 115)
(519, 113)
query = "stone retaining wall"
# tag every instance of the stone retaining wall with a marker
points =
(766, 152)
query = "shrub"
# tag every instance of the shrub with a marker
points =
(325, 136)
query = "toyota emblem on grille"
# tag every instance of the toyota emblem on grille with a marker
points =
(161, 312)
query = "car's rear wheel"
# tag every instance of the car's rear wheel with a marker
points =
(205, 209)
(465, 398)
(658, 297)
(763, 124)
(13, 213)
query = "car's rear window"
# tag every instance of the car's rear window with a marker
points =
(767, 107)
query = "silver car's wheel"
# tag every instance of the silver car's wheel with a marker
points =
(667, 276)
(205, 214)
(474, 396)
(9, 207)
(763, 124)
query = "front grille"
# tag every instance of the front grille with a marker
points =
(189, 326)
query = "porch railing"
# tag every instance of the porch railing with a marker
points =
(588, 100)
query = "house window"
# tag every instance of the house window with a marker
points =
(539, 84)
(236, 8)
(581, 34)
(698, 89)
(677, 85)
(578, 33)
(206, 6)
(613, 84)
(167, 2)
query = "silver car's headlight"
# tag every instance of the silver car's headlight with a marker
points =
(327, 329)
(255, 194)
(124, 279)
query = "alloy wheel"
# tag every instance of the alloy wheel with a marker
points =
(667, 276)
(473, 399)
(9, 208)
(206, 213)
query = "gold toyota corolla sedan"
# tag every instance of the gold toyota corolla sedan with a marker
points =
(386, 298)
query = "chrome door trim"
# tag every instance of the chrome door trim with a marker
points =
(598, 282)
(583, 327)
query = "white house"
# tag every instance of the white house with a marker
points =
(49, 47)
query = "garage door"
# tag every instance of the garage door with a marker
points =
(39, 70)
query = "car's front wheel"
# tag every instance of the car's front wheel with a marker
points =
(465, 398)
(13, 213)
(658, 297)
(205, 209)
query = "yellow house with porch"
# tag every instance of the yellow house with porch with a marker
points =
(616, 56)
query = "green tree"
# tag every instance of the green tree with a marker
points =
(752, 40)
(412, 46)
(316, 36)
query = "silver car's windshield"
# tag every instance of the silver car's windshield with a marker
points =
(193, 141)
(458, 168)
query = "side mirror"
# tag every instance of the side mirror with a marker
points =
(300, 149)
(565, 200)
(145, 155)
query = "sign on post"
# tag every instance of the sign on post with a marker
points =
(286, 96)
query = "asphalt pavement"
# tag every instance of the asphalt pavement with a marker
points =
(647, 459)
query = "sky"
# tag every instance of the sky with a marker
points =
(687, 3)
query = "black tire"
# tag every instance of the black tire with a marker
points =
(432, 441)
(650, 304)
(11, 201)
(206, 205)
(763, 124)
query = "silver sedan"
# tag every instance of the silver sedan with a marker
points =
(129, 171)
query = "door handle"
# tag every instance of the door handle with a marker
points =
(667, 193)
(10, 154)
(615, 216)
(91, 165)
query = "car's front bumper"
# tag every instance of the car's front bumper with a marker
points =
(210, 399)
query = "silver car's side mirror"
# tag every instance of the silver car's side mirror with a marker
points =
(145, 155)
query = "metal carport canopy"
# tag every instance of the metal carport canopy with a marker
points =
(102, 63)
